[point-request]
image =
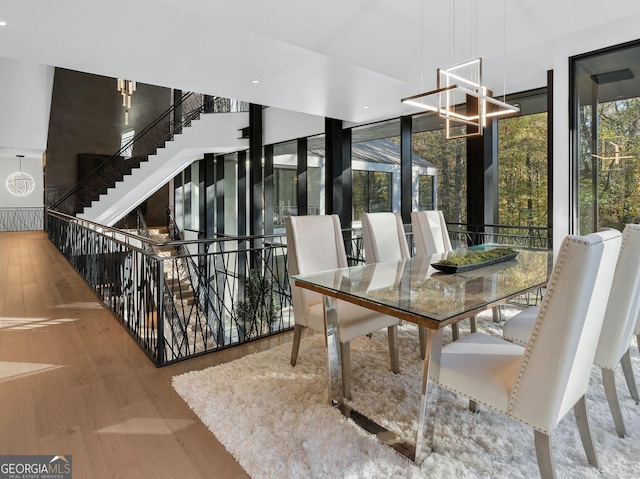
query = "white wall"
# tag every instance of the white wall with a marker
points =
(25, 104)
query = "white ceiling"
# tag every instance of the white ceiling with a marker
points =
(329, 57)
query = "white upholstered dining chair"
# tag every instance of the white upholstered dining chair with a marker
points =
(430, 234)
(617, 330)
(538, 384)
(385, 241)
(315, 243)
(384, 237)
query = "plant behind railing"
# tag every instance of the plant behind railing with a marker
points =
(249, 284)
(256, 311)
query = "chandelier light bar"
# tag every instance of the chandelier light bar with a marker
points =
(454, 88)
(126, 89)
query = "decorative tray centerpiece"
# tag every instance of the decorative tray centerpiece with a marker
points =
(460, 263)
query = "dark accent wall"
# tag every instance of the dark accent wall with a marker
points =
(87, 120)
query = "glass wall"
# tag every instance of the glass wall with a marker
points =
(187, 197)
(606, 118)
(371, 192)
(425, 192)
(315, 175)
(449, 157)
(439, 170)
(285, 182)
(230, 185)
(375, 163)
(523, 164)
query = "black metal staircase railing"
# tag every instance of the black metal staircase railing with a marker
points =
(128, 157)
(176, 322)
(140, 147)
(199, 286)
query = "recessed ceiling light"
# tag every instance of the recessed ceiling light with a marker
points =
(3, 23)
(366, 107)
(255, 81)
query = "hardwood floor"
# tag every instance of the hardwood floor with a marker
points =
(73, 382)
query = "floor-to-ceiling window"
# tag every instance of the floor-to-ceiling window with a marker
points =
(449, 157)
(376, 166)
(285, 182)
(186, 197)
(230, 185)
(371, 192)
(606, 148)
(315, 175)
(425, 197)
(523, 163)
(375, 163)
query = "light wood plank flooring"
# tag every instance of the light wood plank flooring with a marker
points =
(72, 380)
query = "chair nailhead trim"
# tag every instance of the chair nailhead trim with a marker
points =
(536, 328)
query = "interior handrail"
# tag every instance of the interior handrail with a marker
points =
(66, 203)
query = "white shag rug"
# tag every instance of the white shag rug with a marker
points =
(276, 422)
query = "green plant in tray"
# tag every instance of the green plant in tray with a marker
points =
(476, 258)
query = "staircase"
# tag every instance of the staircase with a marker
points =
(178, 282)
(188, 315)
(152, 158)
(212, 133)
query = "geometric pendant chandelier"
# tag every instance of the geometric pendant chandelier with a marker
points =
(462, 85)
(20, 183)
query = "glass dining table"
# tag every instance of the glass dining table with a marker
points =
(412, 290)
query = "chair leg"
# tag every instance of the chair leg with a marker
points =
(582, 420)
(455, 332)
(345, 353)
(297, 334)
(543, 454)
(609, 383)
(473, 406)
(422, 334)
(473, 324)
(496, 312)
(638, 341)
(392, 333)
(627, 369)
